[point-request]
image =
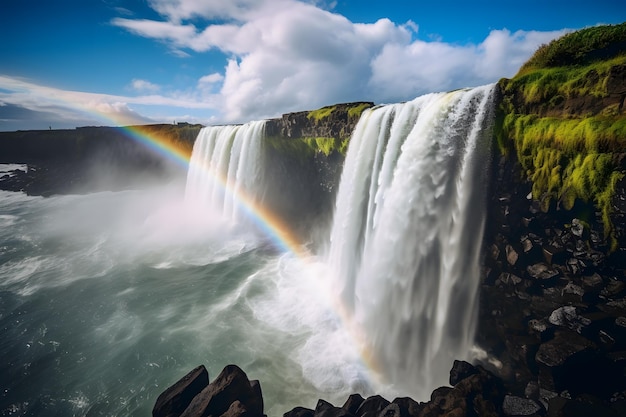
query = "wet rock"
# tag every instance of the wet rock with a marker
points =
(569, 318)
(231, 385)
(461, 370)
(509, 279)
(613, 288)
(532, 390)
(300, 412)
(542, 271)
(516, 406)
(174, 400)
(447, 399)
(577, 228)
(553, 356)
(375, 404)
(593, 282)
(511, 255)
(573, 289)
(392, 410)
(553, 254)
(408, 406)
(353, 403)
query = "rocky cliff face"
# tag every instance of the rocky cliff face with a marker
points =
(91, 158)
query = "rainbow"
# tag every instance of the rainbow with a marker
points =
(269, 223)
(272, 226)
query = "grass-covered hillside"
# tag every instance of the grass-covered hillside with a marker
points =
(563, 117)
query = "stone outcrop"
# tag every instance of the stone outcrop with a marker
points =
(231, 394)
(91, 159)
(335, 121)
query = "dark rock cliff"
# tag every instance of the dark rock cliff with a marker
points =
(92, 159)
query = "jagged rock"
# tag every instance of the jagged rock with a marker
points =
(236, 409)
(573, 289)
(174, 400)
(613, 288)
(516, 406)
(231, 385)
(461, 370)
(568, 317)
(509, 279)
(593, 282)
(553, 254)
(326, 409)
(375, 404)
(511, 255)
(408, 406)
(577, 228)
(532, 390)
(555, 359)
(541, 271)
(392, 410)
(299, 412)
(353, 403)
(447, 399)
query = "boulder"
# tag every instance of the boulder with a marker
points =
(542, 271)
(461, 370)
(517, 406)
(567, 317)
(353, 403)
(231, 385)
(300, 412)
(375, 404)
(408, 406)
(174, 400)
(326, 409)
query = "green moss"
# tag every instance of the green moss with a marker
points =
(567, 156)
(357, 110)
(303, 148)
(320, 114)
(569, 159)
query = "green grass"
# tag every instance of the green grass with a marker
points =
(553, 85)
(579, 48)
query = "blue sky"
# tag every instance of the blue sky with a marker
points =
(73, 63)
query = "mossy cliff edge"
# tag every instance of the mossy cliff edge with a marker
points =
(562, 118)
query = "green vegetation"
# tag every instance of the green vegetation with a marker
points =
(579, 48)
(303, 148)
(357, 110)
(320, 114)
(553, 117)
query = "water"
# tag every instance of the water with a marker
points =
(407, 233)
(106, 299)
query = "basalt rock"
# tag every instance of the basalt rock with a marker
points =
(231, 394)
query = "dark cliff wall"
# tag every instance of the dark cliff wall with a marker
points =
(92, 158)
(553, 299)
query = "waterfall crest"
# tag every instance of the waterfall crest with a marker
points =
(407, 231)
(225, 165)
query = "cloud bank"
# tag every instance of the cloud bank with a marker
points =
(281, 56)
(286, 55)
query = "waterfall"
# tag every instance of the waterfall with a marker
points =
(407, 232)
(225, 168)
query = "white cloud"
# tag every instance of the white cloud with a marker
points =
(75, 108)
(143, 85)
(211, 78)
(287, 55)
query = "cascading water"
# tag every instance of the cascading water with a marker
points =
(225, 162)
(407, 232)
